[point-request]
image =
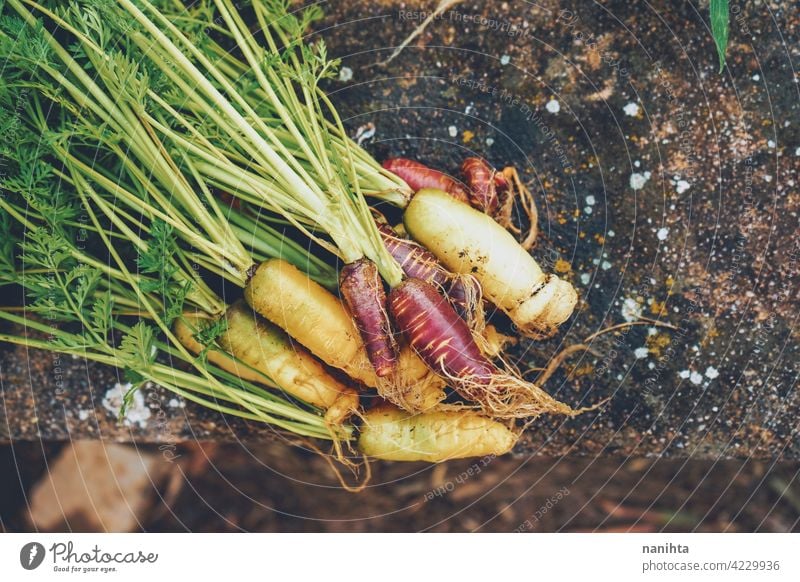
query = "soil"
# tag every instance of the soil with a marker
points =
(667, 189)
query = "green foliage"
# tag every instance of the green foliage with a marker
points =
(8, 267)
(36, 184)
(281, 14)
(86, 171)
(28, 44)
(719, 28)
(137, 353)
(208, 334)
(102, 314)
(137, 348)
(159, 260)
(60, 288)
(47, 249)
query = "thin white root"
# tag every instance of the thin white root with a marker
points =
(474, 313)
(508, 397)
(557, 360)
(442, 7)
(339, 457)
(518, 191)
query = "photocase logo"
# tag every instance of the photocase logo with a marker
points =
(31, 555)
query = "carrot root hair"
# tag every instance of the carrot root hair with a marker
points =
(413, 394)
(466, 295)
(506, 396)
(339, 457)
(513, 190)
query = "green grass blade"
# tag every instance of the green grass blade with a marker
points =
(719, 28)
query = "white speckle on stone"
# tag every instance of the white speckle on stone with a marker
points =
(631, 109)
(588, 209)
(452, 130)
(173, 403)
(662, 233)
(768, 178)
(83, 414)
(345, 74)
(641, 353)
(756, 77)
(489, 141)
(639, 180)
(631, 310)
(505, 59)
(684, 374)
(797, 152)
(365, 132)
(696, 378)
(682, 186)
(585, 278)
(712, 372)
(611, 233)
(137, 412)
(605, 265)
(770, 144)
(553, 106)
(590, 200)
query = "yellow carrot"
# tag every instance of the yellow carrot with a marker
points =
(259, 351)
(311, 315)
(391, 434)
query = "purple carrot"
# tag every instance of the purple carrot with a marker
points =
(415, 260)
(419, 176)
(362, 289)
(419, 263)
(436, 332)
(481, 184)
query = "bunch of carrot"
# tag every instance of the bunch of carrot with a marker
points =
(214, 147)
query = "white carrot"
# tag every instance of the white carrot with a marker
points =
(468, 241)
